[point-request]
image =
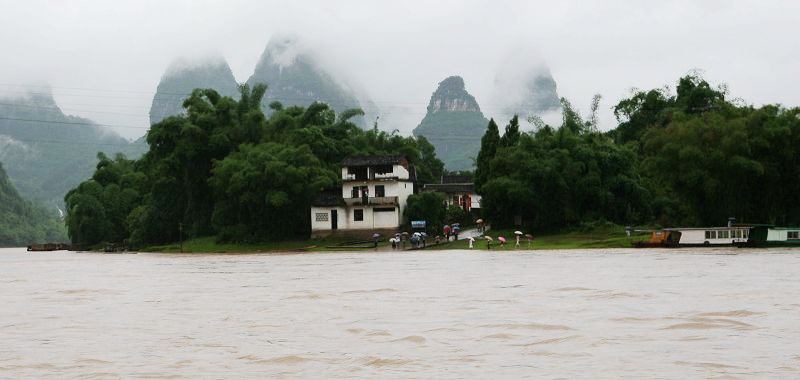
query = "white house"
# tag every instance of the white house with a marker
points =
(373, 196)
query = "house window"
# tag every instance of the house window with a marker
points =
(383, 169)
(354, 192)
(358, 215)
(380, 191)
(321, 217)
(358, 172)
(793, 235)
(384, 209)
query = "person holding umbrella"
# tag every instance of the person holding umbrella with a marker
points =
(488, 242)
(375, 237)
(530, 239)
(471, 241)
(502, 241)
(517, 234)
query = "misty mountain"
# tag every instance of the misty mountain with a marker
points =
(525, 93)
(182, 77)
(22, 222)
(454, 124)
(295, 77)
(46, 152)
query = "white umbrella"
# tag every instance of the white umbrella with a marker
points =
(517, 232)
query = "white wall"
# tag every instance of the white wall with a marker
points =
(346, 216)
(699, 237)
(385, 219)
(776, 235)
(326, 225)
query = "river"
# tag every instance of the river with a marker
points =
(712, 313)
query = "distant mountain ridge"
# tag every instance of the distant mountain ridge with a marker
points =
(293, 75)
(531, 92)
(182, 77)
(47, 152)
(454, 124)
(295, 78)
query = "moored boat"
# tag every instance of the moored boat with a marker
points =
(756, 235)
(771, 236)
(697, 237)
(48, 247)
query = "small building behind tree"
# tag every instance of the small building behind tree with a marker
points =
(459, 191)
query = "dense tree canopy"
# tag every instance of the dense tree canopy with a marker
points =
(690, 158)
(226, 169)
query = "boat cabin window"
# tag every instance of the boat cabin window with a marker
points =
(722, 234)
(711, 234)
(746, 233)
(793, 235)
(738, 234)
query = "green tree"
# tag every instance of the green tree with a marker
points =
(428, 206)
(264, 192)
(511, 135)
(489, 144)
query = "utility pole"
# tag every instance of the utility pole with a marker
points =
(180, 235)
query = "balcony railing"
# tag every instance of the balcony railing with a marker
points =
(371, 201)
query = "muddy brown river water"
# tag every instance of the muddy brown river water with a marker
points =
(677, 314)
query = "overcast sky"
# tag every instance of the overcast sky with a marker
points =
(104, 58)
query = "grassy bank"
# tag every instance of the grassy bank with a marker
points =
(210, 245)
(613, 237)
(603, 237)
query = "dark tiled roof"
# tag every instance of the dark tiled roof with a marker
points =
(456, 179)
(329, 198)
(373, 160)
(451, 188)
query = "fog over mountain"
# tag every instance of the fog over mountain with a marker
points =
(186, 74)
(104, 60)
(46, 151)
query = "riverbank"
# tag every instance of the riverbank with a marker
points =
(601, 238)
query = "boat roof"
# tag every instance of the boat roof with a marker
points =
(705, 228)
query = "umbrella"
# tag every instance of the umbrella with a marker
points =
(417, 234)
(529, 236)
(376, 235)
(502, 239)
(517, 232)
(489, 238)
(479, 221)
(405, 233)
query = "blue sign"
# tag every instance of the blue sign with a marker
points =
(417, 224)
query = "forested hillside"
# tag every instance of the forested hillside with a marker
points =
(47, 152)
(22, 222)
(453, 124)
